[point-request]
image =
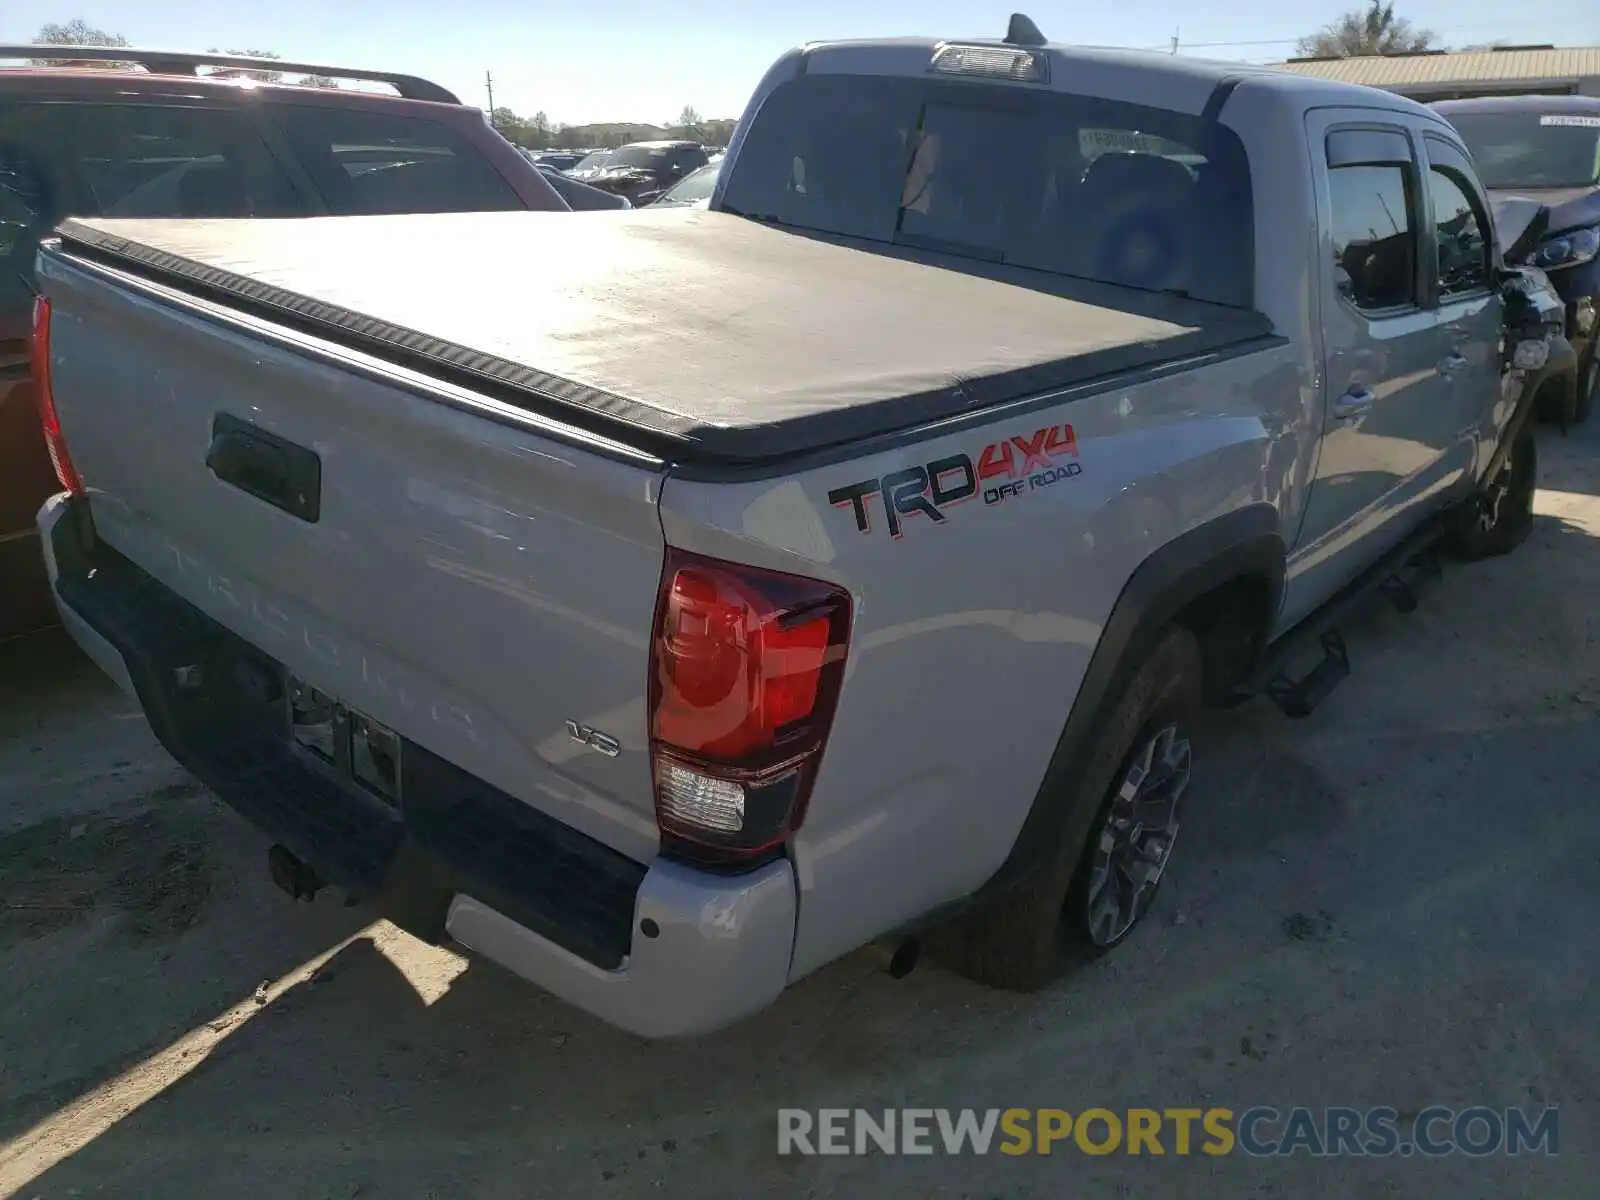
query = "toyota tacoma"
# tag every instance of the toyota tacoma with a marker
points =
(665, 604)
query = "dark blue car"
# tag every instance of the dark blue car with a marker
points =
(1547, 148)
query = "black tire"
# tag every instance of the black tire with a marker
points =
(1588, 385)
(1488, 530)
(1025, 938)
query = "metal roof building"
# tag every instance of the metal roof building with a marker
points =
(1443, 75)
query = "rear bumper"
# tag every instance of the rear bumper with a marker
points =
(661, 951)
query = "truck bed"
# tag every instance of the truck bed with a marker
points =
(703, 338)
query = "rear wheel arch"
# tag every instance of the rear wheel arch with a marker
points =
(1232, 624)
(1223, 580)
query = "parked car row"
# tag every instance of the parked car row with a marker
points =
(664, 604)
(559, 160)
(641, 171)
(580, 197)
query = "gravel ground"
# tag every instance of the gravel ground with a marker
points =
(1394, 903)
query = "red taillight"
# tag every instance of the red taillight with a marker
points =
(745, 670)
(39, 365)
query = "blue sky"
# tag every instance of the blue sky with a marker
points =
(643, 60)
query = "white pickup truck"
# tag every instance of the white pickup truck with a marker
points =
(665, 604)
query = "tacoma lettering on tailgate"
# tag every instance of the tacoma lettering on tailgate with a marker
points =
(1004, 470)
(246, 602)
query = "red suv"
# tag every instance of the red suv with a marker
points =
(130, 133)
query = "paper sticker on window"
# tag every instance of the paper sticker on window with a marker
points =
(1093, 142)
(1572, 121)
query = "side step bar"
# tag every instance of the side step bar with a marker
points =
(1299, 696)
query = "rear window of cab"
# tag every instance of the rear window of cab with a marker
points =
(1079, 186)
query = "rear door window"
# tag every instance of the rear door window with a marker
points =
(365, 162)
(61, 159)
(1074, 185)
(147, 161)
(1374, 237)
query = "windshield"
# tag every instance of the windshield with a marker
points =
(1532, 150)
(692, 189)
(589, 161)
(1073, 185)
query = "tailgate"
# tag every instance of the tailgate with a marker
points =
(467, 575)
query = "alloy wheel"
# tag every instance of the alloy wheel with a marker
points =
(1135, 839)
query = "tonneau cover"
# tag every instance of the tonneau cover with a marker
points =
(700, 336)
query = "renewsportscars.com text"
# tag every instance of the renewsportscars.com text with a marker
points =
(1261, 1131)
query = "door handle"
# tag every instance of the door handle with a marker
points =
(268, 467)
(1353, 403)
(1451, 363)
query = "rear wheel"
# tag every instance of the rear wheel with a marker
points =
(1091, 895)
(1132, 840)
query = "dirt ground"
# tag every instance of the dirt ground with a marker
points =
(1395, 902)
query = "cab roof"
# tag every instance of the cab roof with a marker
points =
(1173, 81)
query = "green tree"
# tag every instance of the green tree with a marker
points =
(541, 133)
(321, 81)
(1375, 31)
(77, 32)
(689, 122)
(510, 126)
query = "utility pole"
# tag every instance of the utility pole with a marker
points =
(488, 82)
(1175, 33)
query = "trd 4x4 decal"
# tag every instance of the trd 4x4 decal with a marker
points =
(1004, 470)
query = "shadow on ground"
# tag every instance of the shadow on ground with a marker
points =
(43, 675)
